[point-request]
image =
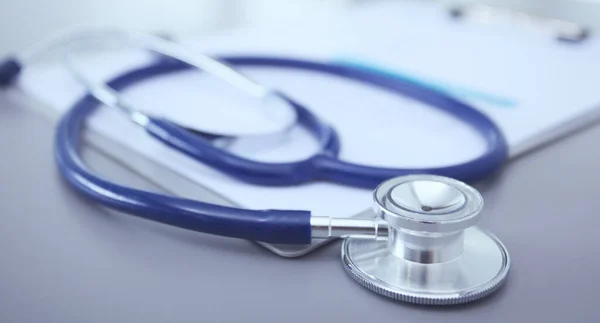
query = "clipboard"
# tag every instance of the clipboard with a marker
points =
(552, 84)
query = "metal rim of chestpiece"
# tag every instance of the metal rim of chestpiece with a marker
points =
(433, 254)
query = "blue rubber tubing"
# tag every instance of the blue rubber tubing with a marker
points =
(275, 226)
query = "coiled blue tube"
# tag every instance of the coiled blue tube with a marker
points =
(271, 225)
(276, 226)
(326, 165)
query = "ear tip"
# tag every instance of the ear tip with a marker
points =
(9, 70)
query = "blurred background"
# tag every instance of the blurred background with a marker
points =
(23, 22)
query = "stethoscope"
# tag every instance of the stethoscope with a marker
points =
(427, 214)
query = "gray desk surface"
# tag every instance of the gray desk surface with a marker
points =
(65, 260)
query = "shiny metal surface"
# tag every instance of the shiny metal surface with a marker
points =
(479, 271)
(427, 203)
(426, 196)
(558, 28)
(272, 105)
(327, 227)
(432, 254)
(70, 37)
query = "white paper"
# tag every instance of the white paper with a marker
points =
(553, 83)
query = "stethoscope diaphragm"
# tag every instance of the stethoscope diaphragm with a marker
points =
(433, 254)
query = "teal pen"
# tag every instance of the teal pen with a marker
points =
(452, 90)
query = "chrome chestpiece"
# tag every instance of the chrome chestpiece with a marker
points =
(433, 254)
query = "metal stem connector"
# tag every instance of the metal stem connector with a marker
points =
(327, 227)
